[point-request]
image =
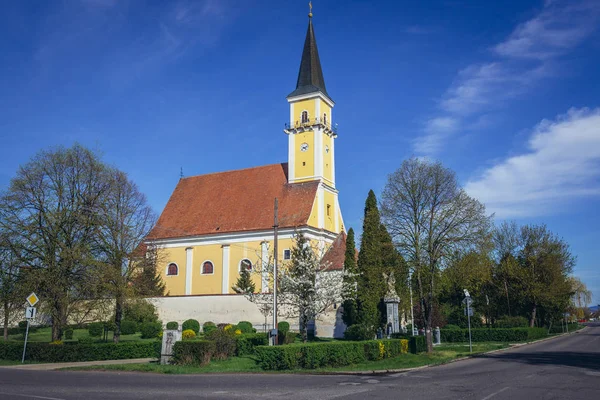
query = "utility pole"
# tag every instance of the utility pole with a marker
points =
(275, 226)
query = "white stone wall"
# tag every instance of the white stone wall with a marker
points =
(233, 309)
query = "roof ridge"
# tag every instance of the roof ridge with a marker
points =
(235, 170)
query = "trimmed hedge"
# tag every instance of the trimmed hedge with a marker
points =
(493, 335)
(416, 344)
(197, 352)
(73, 352)
(358, 332)
(150, 330)
(559, 328)
(172, 325)
(128, 327)
(329, 354)
(95, 329)
(245, 344)
(246, 327)
(191, 324)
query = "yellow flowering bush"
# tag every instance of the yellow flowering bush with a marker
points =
(57, 342)
(404, 346)
(381, 350)
(238, 332)
(188, 334)
(227, 327)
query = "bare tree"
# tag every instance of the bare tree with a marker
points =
(126, 220)
(13, 288)
(430, 218)
(51, 207)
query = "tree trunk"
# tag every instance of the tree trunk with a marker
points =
(59, 320)
(304, 327)
(533, 313)
(6, 316)
(118, 316)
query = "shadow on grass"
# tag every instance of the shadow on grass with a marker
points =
(566, 358)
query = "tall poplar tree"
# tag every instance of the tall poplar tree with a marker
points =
(349, 283)
(371, 285)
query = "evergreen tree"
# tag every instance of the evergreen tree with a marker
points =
(371, 284)
(244, 284)
(349, 283)
(300, 282)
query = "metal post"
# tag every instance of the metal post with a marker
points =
(412, 316)
(25, 345)
(275, 226)
(469, 320)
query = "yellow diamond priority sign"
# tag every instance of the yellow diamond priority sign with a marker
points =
(32, 299)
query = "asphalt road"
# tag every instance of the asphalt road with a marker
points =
(563, 368)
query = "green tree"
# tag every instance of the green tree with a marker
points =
(431, 218)
(13, 283)
(371, 285)
(349, 282)
(244, 284)
(51, 208)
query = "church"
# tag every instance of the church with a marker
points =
(215, 225)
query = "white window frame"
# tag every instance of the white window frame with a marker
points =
(240, 265)
(167, 269)
(284, 250)
(202, 267)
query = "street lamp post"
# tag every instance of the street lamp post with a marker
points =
(468, 302)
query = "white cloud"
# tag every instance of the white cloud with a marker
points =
(562, 165)
(525, 57)
(437, 130)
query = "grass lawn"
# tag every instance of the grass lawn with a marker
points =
(441, 354)
(45, 335)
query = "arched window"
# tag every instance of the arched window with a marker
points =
(207, 267)
(172, 269)
(304, 117)
(325, 118)
(245, 264)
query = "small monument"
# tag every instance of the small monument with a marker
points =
(170, 336)
(392, 300)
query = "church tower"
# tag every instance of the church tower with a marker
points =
(311, 134)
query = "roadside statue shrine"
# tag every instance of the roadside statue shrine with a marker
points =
(392, 300)
(169, 338)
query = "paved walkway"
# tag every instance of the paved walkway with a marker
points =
(48, 367)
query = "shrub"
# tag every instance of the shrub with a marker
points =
(150, 330)
(85, 340)
(208, 327)
(69, 334)
(245, 344)
(404, 346)
(188, 334)
(128, 327)
(95, 329)
(245, 327)
(140, 311)
(172, 325)
(198, 352)
(512, 322)
(450, 326)
(288, 338)
(74, 352)
(328, 354)
(222, 325)
(416, 344)
(224, 343)
(358, 332)
(283, 327)
(191, 324)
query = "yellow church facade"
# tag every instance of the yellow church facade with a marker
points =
(215, 225)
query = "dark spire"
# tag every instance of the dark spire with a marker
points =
(310, 76)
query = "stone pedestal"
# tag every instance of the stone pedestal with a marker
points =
(391, 306)
(168, 340)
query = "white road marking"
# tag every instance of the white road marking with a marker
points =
(495, 393)
(32, 396)
(372, 381)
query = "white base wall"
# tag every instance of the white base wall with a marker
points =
(233, 309)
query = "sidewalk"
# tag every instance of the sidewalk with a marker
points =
(48, 367)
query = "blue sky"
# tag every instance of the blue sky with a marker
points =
(505, 93)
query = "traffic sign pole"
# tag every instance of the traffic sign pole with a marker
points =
(469, 319)
(25, 345)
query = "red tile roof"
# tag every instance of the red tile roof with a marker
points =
(333, 260)
(235, 201)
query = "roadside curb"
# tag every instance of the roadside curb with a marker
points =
(58, 366)
(403, 370)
